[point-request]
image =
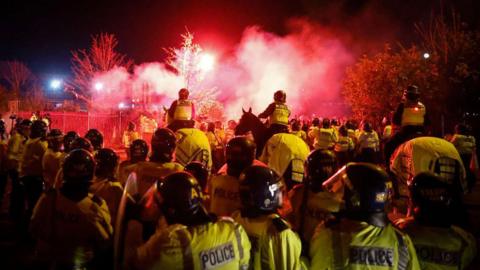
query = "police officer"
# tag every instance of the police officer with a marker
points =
(67, 140)
(324, 137)
(363, 238)
(31, 171)
(95, 137)
(344, 146)
(15, 149)
(311, 203)
(78, 143)
(104, 184)
(411, 116)
(200, 172)
(368, 144)
(130, 135)
(274, 244)
(138, 152)
(182, 112)
(439, 243)
(161, 160)
(224, 187)
(277, 113)
(72, 226)
(194, 239)
(411, 113)
(52, 157)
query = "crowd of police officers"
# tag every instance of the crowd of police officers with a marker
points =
(73, 195)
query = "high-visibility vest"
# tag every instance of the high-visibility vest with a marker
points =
(183, 111)
(274, 244)
(280, 114)
(413, 115)
(325, 139)
(442, 248)
(358, 245)
(222, 244)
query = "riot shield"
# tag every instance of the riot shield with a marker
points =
(121, 223)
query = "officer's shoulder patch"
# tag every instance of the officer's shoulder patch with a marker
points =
(280, 224)
(96, 199)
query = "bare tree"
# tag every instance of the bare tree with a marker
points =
(100, 57)
(16, 75)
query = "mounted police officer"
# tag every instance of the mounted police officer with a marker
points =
(182, 112)
(277, 113)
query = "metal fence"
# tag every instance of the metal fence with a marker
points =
(111, 125)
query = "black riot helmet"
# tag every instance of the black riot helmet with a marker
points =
(55, 139)
(107, 161)
(260, 191)
(164, 142)
(433, 200)
(22, 126)
(78, 170)
(81, 143)
(138, 150)
(319, 166)
(180, 198)
(38, 129)
(78, 167)
(280, 96)
(366, 188)
(95, 137)
(68, 139)
(200, 171)
(239, 154)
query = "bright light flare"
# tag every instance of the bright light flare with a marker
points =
(121, 105)
(55, 84)
(98, 86)
(206, 62)
(426, 55)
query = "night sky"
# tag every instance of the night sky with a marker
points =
(42, 33)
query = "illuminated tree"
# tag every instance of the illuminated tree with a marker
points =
(373, 87)
(192, 64)
(102, 56)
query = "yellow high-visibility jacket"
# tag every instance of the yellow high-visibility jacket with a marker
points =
(215, 245)
(442, 248)
(350, 244)
(274, 244)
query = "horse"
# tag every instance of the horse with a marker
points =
(283, 152)
(250, 122)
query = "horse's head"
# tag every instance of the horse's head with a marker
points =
(248, 122)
